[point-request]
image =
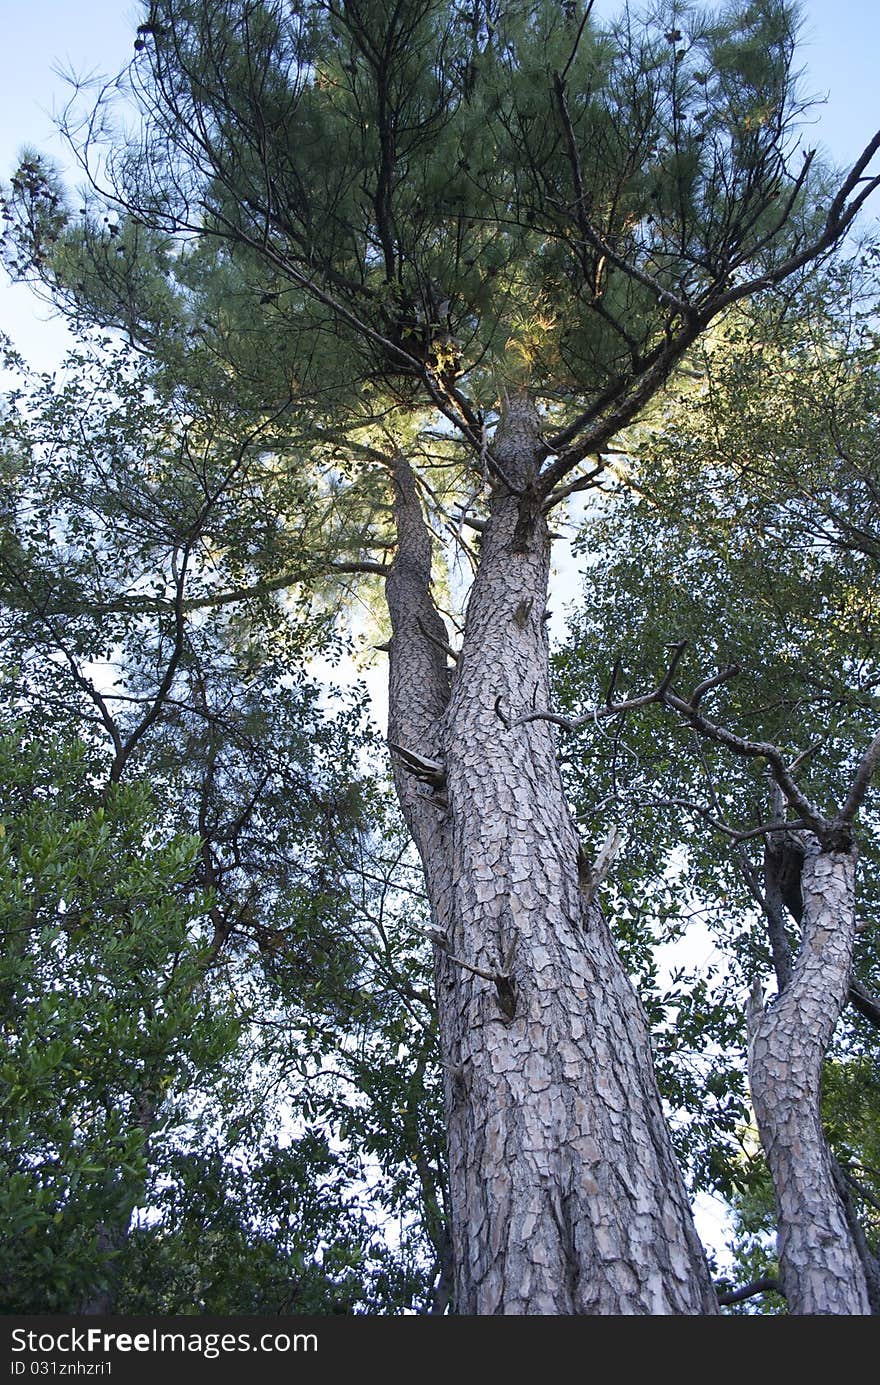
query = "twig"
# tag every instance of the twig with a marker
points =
(736, 835)
(577, 38)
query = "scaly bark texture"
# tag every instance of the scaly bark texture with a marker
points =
(820, 1268)
(566, 1196)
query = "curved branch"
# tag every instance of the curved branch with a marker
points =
(766, 1285)
(622, 400)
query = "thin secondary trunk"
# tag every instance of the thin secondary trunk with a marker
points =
(565, 1192)
(109, 1241)
(820, 1268)
(112, 1235)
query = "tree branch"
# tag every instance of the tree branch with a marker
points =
(287, 579)
(868, 1005)
(611, 709)
(625, 396)
(809, 815)
(588, 230)
(867, 768)
(758, 1286)
(763, 750)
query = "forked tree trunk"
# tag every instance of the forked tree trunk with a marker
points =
(566, 1195)
(820, 1266)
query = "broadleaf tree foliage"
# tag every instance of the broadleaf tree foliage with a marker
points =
(746, 523)
(435, 258)
(192, 909)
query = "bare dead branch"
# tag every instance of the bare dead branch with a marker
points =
(429, 771)
(498, 978)
(591, 876)
(611, 709)
(809, 815)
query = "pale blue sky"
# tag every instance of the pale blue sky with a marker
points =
(840, 52)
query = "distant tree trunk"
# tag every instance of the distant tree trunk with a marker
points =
(821, 1269)
(109, 1241)
(566, 1195)
(111, 1235)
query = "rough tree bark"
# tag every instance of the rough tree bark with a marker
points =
(566, 1195)
(821, 1269)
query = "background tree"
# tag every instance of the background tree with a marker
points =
(746, 525)
(101, 1014)
(208, 966)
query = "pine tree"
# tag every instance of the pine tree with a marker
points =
(481, 239)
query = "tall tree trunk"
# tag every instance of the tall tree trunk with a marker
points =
(820, 1266)
(566, 1195)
